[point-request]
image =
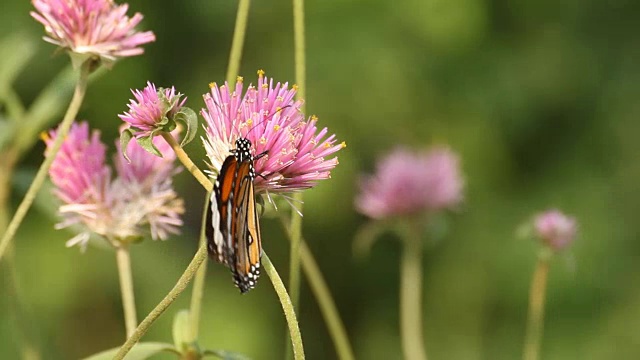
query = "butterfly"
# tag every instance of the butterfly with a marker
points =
(233, 230)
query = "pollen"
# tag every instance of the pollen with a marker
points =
(263, 140)
(249, 121)
(265, 86)
(314, 118)
(260, 73)
(295, 87)
(212, 85)
(327, 145)
(279, 98)
(278, 109)
(343, 144)
(44, 136)
(239, 79)
(276, 127)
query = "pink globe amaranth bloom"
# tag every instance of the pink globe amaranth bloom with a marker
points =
(408, 183)
(97, 28)
(151, 108)
(267, 115)
(139, 200)
(555, 229)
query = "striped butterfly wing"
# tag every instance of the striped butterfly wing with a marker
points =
(248, 242)
(233, 230)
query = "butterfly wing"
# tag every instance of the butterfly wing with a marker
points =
(247, 237)
(220, 211)
(233, 230)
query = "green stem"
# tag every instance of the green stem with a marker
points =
(63, 130)
(123, 259)
(322, 294)
(180, 286)
(197, 293)
(186, 161)
(536, 308)
(411, 299)
(287, 307)
(238, 40)
(296, 220)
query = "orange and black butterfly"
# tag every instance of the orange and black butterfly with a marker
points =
(233, 230)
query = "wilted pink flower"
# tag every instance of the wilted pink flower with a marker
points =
(408, 183)
(268, 116)
(139, 200)
(555, 229)
(150, 109)
(92, 27)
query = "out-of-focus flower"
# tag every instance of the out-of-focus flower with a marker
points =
(151, 109)
(408, 183)
(139, 200)
(555, 229)
(269, 117)
(92, 28)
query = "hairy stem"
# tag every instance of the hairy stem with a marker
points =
(186, 161)
(238, 40)
(287, 307)
(411, 299)
(41, 175)
(321, 291)
(536, 309)
(123, 259)
(181, 285)
(197, 293)
(296, 221)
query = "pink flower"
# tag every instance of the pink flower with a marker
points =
(269, 117)
(95, 28)
(139, 200)
(151, 109)
(408, 183)
(555, 229)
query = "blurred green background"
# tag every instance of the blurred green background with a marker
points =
(540, 98)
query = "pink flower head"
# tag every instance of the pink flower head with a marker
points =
(407, 183)
(555, 229)
(151, 109)
(138, 200)
(94, 28)
(268, 116)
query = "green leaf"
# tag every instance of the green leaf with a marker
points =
(182, 336)
(139, 351)
(147, 143)
(225, 355)
(190, 119)
(125, 137)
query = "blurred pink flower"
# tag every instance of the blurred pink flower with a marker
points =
(555, 229)
(408, 183)
(92, 27)
(151, 108)
(139, 200)
(269, 117)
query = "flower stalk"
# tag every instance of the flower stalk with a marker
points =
(238, 40)
(287, 307)
(197, 293)
(41, 175)
(536, 307)
(181, 285)
(411, 298)
(296, 220)
(123, 260)
(322, 294)
(186, 161)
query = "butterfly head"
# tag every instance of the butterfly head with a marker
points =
(243, 149)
